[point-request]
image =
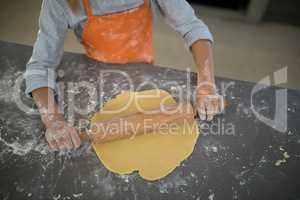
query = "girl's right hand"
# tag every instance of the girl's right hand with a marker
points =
(60, 135)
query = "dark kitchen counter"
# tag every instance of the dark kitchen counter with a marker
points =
(240, 157)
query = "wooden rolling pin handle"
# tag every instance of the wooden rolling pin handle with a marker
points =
(185, 113)
(138, 123)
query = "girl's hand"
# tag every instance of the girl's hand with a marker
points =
(60, 135)
(209, 104)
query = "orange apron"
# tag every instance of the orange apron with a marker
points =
(123, 37)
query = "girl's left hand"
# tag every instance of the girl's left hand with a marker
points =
(209, 104)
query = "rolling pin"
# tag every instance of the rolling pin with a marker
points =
(139, 123)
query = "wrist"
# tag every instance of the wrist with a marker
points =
(206, 87)
(49, 119)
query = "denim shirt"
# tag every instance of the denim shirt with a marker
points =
(56, 18)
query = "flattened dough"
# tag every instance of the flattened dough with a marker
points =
(153, 155)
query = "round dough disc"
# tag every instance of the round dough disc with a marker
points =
(153, 155)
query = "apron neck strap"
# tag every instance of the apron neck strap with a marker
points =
(88, 8)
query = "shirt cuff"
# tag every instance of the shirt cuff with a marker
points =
(195, 34)
(34, 82)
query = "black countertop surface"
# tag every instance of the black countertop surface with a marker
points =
(242, 155)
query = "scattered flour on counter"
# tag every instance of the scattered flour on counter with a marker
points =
(7, 84)
(124, 177)
(242, 182)
(243, 110)
(281, 148)
(290, 133)
(108, 186)
(104, 183)
(193, 175)
(242, 176)
(22, 149)
(279, 162)
(211, 148)
(17, 148)
(77, 195)
(42, 148)
(211, 196)
(173, 183)
(19, 188)
(57, 197)
(284, 160)
(234, 195)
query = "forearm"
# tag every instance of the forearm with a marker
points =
(44, 99)
(203, 57)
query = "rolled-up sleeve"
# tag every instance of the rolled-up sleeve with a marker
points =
(181, 17)
(48, 48)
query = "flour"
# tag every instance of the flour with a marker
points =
(242, 177)
(244, 111)
(57, 197)
(286, 156)
(211, 196)
(22, 145)
(211, 148)
(108, 186)
(104, 183)
(172, 184)
(18, 148)
(7, 84)
(78, 195)
(125, 178)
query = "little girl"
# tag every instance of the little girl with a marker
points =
(112, 31)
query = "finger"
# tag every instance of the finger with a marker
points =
(215, 107)
(221, 104)
(68, 142)
(50, 140)
(210, 111)
(61, 143)
(75, 138)
(64, 139)
(52, 144)
(201, 111)
(212, 105)
(67, 137)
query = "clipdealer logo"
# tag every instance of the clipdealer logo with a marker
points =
(279, 122)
